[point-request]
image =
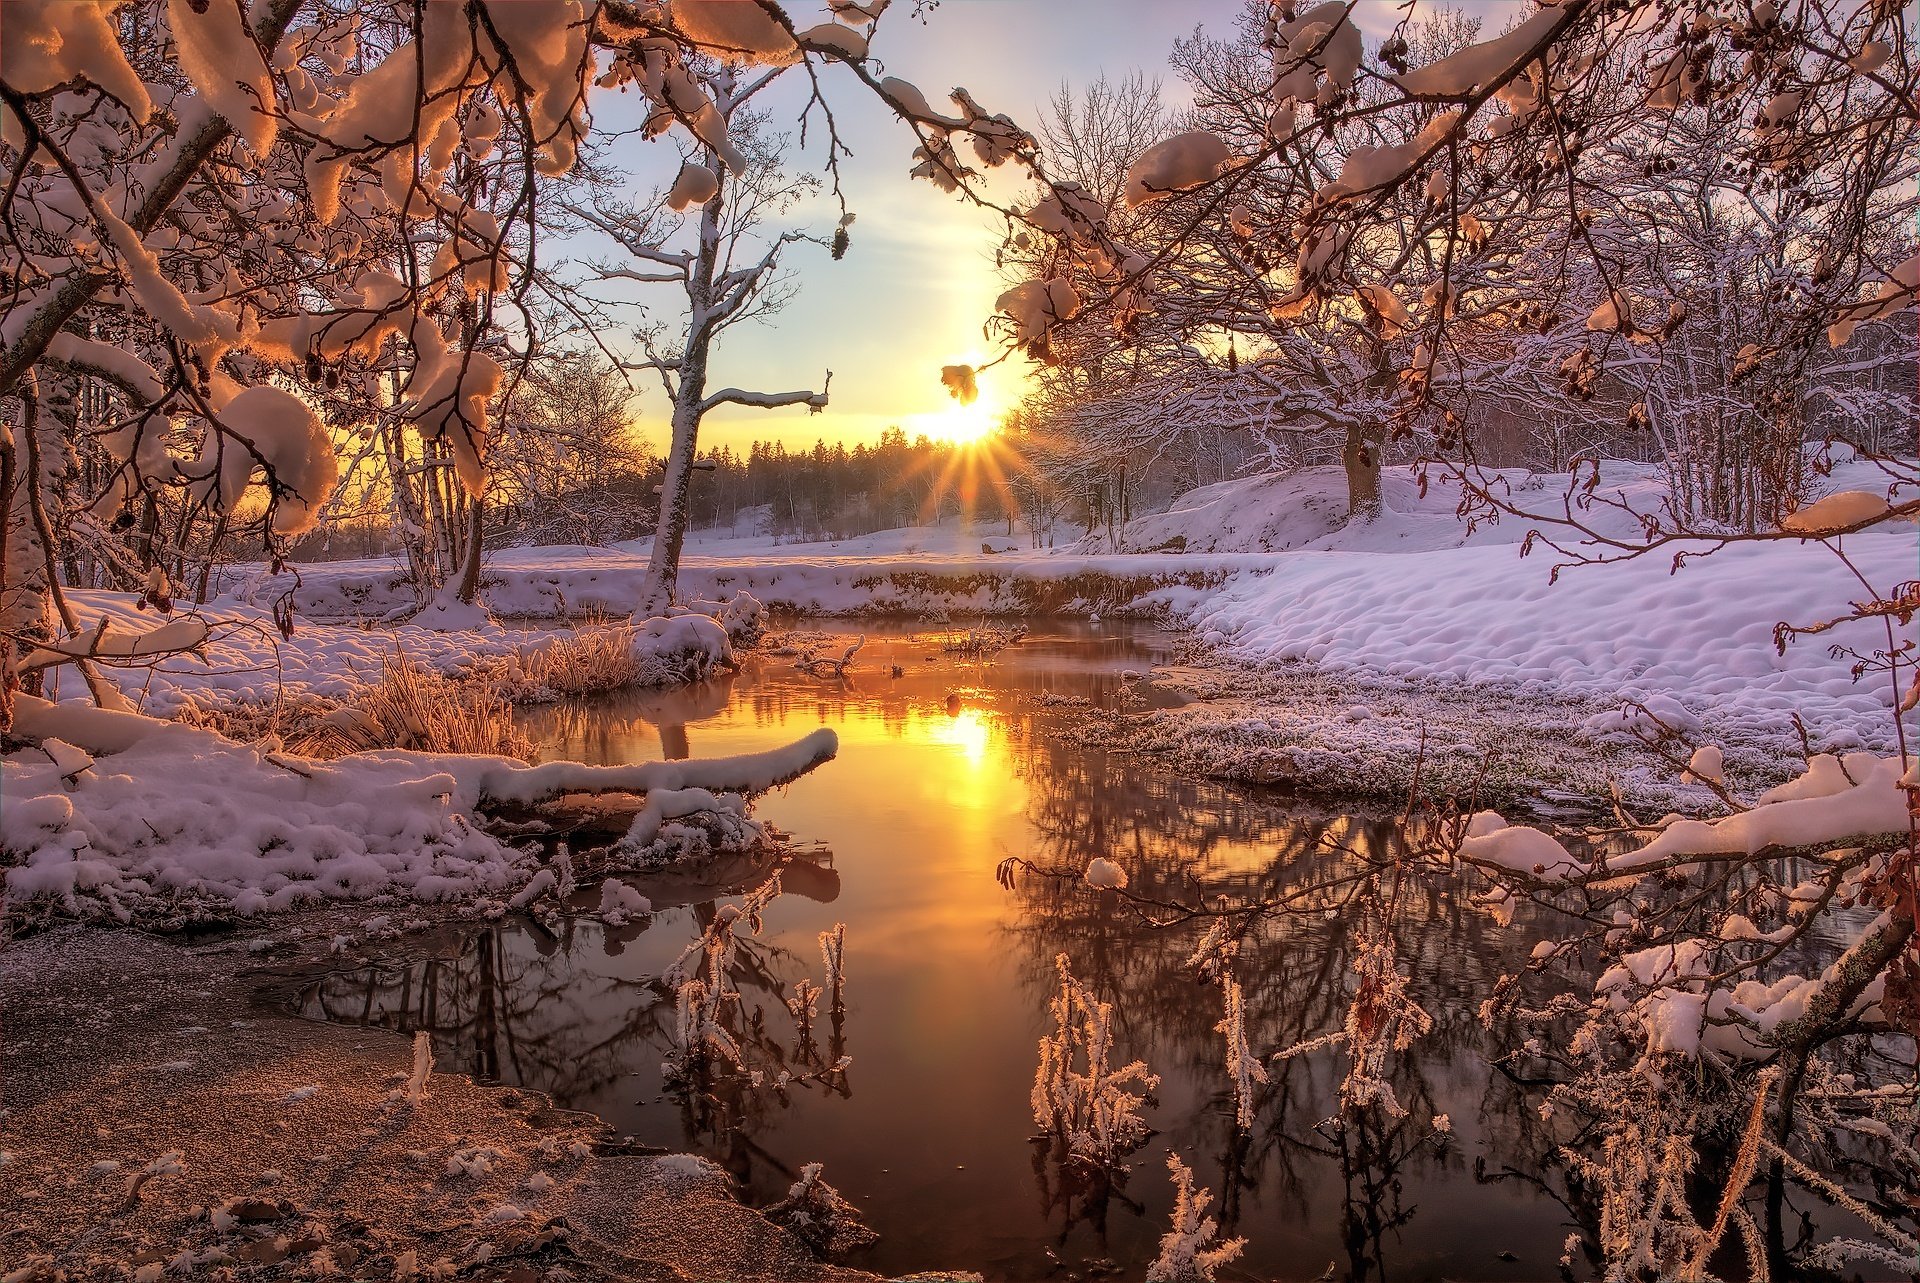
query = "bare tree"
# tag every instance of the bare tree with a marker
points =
(570, 466)
(731, 273)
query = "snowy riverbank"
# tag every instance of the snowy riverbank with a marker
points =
(1269, 574)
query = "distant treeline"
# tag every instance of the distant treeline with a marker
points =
(840, 491)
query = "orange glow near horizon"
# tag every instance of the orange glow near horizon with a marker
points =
(961, 424)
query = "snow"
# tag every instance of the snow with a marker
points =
(694, 185)
(1187, 160)
(620, 903)
(1103, 874)
(1037, 306)
(170, 816)
(49, 43)
(295, 446)
(1707, 763)
(1519, 848)
(732, 29)
(1321, 40)
(1270, 571)
(1841, 510)
(837, 39)
(220, 57)
(1460, 74)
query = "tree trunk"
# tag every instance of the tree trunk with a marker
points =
(26, 596)
(469, 585)
(670, 526)
(1361, 455)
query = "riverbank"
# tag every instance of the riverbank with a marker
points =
(1267, 577)
(157, 1123)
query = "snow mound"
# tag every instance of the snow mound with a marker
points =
(171, 819)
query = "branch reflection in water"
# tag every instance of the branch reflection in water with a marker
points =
(946, 769)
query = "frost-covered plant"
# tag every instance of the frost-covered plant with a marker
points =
(704, 992)
(1736, 995)
(1078, 1096)
(1190, 1251)
(413, 707)
(1382, 1017)
(833, 951)
(422, 1069)
(587, 661)
(820, 1216)
(1244, 1069)
(1213, 957)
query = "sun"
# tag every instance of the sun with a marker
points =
(962, 424)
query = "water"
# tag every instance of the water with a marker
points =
(943, 772)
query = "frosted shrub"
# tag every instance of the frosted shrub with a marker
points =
(710, 1038)
(1214, 957)
(1091, 1107)
(820, 1216)
(1189, 1252)
(833, 951)
(1382, 1019)
(1244, 1069)
(804, 1006)
(702, 1041)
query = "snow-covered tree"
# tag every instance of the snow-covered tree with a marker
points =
(240, 237)
(1381, 216)
(727, 268)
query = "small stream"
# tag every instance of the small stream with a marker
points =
(944, 770)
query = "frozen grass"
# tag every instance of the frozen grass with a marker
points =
(587, 661)
(414, 706)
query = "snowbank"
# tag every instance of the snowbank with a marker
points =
(1635, 629)
(125, 816)
(243, 659)
(847, 577)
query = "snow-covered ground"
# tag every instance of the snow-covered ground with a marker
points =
(1412, 601)
(1268, 572)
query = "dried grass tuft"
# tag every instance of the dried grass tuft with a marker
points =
(413, 707)
(586, 661)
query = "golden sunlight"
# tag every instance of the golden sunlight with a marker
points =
(960, 424)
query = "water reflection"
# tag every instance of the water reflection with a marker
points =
(946, 770)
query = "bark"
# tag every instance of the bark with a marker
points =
(469, 585)
(670, 525)
(26, 600)
(1361, 456)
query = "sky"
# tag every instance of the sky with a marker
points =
(918, 281)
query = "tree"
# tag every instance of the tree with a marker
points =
(1378, 216)
(1676, 217)
(570, 466)
(731, 273)
(235, 238)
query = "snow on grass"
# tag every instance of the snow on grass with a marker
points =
(175, 819)
(1480, 615)
(244, 663)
